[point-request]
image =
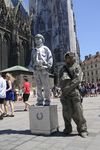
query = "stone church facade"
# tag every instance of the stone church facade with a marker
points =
(15, 34)
(55, 20)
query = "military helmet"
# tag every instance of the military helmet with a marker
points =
(39, 36)
(70, 54)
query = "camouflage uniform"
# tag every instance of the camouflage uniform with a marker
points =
(70, 78)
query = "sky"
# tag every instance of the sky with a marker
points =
(87, 16)
(26, 4)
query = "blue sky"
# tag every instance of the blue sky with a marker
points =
(26, 4)
(87, 15)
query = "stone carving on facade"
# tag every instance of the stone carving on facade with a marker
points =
(10, 17)
(3, 13)
(14, 20)
(55, 19)
(51, 19)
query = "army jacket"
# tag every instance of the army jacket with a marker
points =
(70, 77)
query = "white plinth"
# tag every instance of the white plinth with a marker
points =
(43, 119)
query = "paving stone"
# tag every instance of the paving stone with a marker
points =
(15, 132)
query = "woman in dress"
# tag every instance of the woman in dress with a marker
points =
(9, 95)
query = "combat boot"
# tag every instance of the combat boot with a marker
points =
(84, 134)
(67, 131)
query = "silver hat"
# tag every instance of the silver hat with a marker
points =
(40, 37)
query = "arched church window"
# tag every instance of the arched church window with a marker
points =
(5, 51)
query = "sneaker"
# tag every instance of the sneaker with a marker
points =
(1, 117)
(67, 132)
(83, 134)
(25, 109)
(5, 115)
(39, 104)
(47, 103)
(11, 115)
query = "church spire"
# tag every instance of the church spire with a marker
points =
(16, 8)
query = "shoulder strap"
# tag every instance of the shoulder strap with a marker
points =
(68, 71)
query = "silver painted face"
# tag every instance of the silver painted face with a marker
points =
(38, 41)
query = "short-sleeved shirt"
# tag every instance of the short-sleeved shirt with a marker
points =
(2, 88)
(26, 87)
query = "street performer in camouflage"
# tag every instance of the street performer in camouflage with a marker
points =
(70, 77)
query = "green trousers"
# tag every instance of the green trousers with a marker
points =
(72, 109)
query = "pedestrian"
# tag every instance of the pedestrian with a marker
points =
(26, 93)
(34, 91)
(41, 62)
(82, 91)
(70, 77)
(2, 95)
(9, 95)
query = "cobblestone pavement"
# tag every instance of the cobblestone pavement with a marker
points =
(15, 132)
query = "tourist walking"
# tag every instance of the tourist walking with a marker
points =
(26, 93)
(2, 95)
(9, 95)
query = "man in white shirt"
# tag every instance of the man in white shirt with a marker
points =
(2, 94)
(41, 62)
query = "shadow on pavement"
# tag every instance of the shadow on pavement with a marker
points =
(19, 111)
(61, 134)
(10, 131)
(28, 132)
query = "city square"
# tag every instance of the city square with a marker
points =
(49, 94)
(15, 132)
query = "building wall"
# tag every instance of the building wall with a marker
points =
(55, 20)
(91, 68)
(15, 45)
(4, 49)
(71, 22)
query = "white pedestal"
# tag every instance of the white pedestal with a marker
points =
(43, 119)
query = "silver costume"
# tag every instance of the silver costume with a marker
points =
(41, 62)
